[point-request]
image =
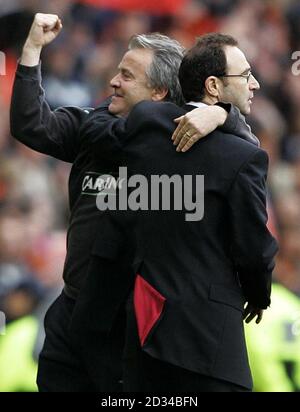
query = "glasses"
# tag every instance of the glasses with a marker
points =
(246, 76)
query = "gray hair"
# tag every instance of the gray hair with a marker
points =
(163, 71)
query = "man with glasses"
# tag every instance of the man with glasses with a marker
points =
(194, 277)
(229, 79)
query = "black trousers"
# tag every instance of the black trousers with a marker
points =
(68, 364)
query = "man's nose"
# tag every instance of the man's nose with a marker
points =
(253, 83)
(115, 81)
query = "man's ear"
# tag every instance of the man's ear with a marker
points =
(212, 86)
(159, 94)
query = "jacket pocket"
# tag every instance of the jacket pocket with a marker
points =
(148, 305)
(228, 296)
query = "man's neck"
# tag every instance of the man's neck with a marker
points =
(206, 101)
(209, 100)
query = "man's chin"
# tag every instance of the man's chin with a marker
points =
(113, 109)
(245, 110)
(117, 110)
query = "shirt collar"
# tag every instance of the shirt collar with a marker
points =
(197, 104)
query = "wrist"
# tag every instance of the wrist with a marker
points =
(31, 54)
(222, 115)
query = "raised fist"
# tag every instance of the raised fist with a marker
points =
(44, 29)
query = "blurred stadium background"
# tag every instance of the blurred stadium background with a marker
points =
(77, 68)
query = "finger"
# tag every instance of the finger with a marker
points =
(48, 23)
(180, 135)
(57, 28)
(58, 24)
(251, 317)
(47, 26)
(194, 138)
(178, 130)
(48, 18)
(185, 131)
(177, 120)
(259, 317)
(184, 141)
(175, 133)
(181, 122)
(189, 144)
(247, 310)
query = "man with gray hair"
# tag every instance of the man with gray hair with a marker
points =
(148, 71)
(162, 73)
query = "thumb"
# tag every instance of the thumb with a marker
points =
(177, 120)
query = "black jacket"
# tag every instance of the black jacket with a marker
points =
(193, 276)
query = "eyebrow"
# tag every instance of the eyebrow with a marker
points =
(125, 71)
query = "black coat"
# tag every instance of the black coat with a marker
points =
(194, 277)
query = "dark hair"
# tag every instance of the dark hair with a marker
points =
(206, 58)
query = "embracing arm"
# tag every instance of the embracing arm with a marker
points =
(105, 132)
(109, 134)
(200, 122)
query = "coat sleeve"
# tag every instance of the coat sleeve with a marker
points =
(33, 123)
(105, 132)
(253, 246)
(109, 134)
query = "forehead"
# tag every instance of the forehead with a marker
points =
(236, 60)
(136, 60)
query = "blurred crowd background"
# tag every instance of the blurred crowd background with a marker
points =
(77, 68)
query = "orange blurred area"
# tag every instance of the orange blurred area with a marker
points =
(149, 6)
